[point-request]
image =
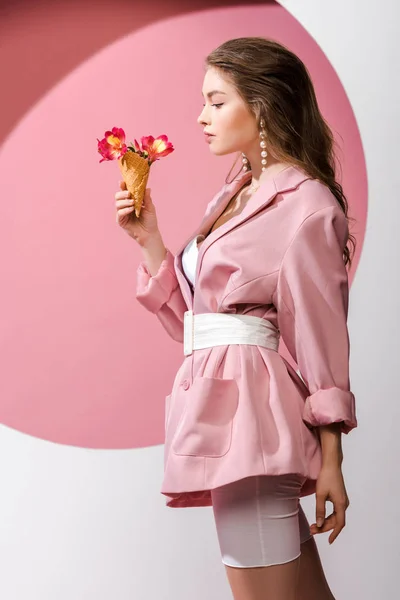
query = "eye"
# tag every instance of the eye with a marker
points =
(216, 105)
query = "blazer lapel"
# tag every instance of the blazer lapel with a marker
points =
(285, 180)
(288, 178)
(221, 202)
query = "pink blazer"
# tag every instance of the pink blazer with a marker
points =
(240, 410)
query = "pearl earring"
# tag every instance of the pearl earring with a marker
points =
(263, 145)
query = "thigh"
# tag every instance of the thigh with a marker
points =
(304, 526)
(257, 522)
(277, 582)
(312, 583)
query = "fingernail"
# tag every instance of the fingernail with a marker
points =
(320, 522)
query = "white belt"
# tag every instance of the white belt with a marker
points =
(219, 329)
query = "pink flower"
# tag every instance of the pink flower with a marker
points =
(156, 148)
(112, 146)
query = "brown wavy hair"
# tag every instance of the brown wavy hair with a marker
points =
(277, 87)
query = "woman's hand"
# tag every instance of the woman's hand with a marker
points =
(140, 229)
(330, 486)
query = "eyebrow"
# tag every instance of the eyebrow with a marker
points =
(215, 92)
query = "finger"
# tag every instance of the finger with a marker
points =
(320, 509)
(124, 211)
(340, 522)
(124, 203)
(328, 525)
(122, 185)
(122, 195)
(334, 534)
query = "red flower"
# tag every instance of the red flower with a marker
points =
(112, 146)
(156, 148)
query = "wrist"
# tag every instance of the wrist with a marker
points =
(331, 444)
(154, 253)
(333, 461)
(152, 240)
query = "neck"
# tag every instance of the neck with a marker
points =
(257, 175)
(273, 164)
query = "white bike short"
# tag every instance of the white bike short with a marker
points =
(259, 520)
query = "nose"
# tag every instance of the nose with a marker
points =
(202, 118)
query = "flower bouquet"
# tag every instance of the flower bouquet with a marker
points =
(134, 160)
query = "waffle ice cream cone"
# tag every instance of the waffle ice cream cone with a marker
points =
(135, 171)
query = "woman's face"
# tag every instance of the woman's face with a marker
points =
(226, 116)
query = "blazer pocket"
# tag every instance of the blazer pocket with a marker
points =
(205, 428)
(167, 407)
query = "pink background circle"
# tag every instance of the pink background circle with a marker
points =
(82, 362)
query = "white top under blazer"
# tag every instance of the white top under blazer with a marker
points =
(189, 259)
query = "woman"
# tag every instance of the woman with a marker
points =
(246, 433)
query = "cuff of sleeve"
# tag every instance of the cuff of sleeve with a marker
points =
(332, 405)
(154, 291)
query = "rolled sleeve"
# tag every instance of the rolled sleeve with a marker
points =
(161, 294)
(312, 298)
(154, 291)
